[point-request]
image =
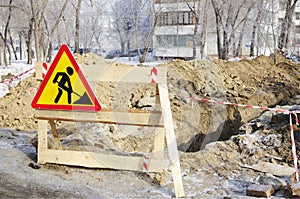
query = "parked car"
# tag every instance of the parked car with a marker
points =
(83, 50)
(114, 53)
(99, 51)
(135, 52)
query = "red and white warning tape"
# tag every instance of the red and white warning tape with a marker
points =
(44, 70)
(263, 108)
(146, 164)
(294, 152)
(153, 74)
(9, 81)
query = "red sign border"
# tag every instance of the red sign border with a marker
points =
(96, 107)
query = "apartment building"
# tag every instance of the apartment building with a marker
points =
(173, 37)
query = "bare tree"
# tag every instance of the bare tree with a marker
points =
(229, 15)
(255, 27)
(146, 20)
(47, 45)
(238, 48)
(124, 14)
(286, 24)
(199, 10)
(5, 37)
(38, 9)
(77, 25)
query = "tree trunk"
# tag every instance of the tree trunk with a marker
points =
(225, 50)
(238, 49)
(77, 26)
(48, 46)
(254, 32)
(195, 36)
(1, 48)
(6, 33)
(9, 55)
(218, 29)
(29, 42)
(203, 30)
(49, 53)
(38, 16)
(20, 46)
(234, 46)
(148, 41)
(286, 24)
(12, 45)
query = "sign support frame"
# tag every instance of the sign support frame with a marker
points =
(161, 119)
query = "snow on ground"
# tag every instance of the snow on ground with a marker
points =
(134, 61)
(8, 75)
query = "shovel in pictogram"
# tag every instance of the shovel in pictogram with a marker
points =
(84, 99)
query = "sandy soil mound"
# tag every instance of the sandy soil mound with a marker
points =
(255, 82)
(16, 111)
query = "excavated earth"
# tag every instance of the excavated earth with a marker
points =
(222, 147)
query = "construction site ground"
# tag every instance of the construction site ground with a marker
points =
(223, 149)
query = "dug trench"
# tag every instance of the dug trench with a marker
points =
(257, 82)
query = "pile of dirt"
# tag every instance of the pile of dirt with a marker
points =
(16, 111)
(255, 82)
(251, 82)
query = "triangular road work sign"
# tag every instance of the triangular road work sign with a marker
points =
(65, 87)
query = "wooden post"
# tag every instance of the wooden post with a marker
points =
(42, 140)
(55, 135)
(159, 143)
(38, 70)
(171, 139)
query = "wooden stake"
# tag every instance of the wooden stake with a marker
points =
(42, 140)
(99, 160)
(159, 143)
(171, 139)
(55, 135)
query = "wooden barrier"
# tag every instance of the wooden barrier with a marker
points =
(161, 118)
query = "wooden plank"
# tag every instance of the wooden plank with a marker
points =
(57, 142)
(98, 160)
(138, 118)
(42, 140)
(159, 143)
(128, 74)
(159, 139)
(171, 140)
(38, 70)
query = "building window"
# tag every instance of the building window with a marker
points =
(174, 40)
(172, 1)
(163, 18)
(297, 16)
(176, 18)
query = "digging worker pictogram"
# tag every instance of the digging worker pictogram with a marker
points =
(64, 84)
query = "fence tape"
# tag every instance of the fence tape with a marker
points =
(44, 70)
(9, 81)
(153, 74)
(263, 108)
(145, 164)
(294, 152)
